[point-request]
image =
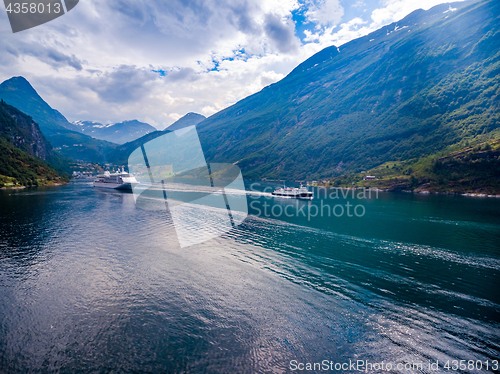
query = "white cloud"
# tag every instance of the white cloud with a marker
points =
(394, 10)
(359, 4)
(348, 31)
(281, 33)
(391, 11)
(325, 12)
(175, 116)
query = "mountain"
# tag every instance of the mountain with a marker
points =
(118, 133)
(18, 92)
(24, 151)
(458, 170)
(18, 168)
(22, 132)
(410, 89)
(190, 119)
(119, 156)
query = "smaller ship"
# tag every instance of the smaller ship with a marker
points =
(118, 181)
(297, 193)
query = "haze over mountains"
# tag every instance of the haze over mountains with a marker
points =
(118, 133)
(120, 155)
(63, 136)
(81, 140)
(27, 158)
(190, 119)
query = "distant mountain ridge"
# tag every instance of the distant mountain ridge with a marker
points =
(118, 133)
(19, 93)
(85, 140)
(407, 90)
(120, 155)
(190, 119)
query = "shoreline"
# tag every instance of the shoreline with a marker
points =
(23, 187)
(421, 192)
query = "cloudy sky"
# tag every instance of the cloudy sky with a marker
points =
(155, 61)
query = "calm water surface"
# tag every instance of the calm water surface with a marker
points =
(89, 283)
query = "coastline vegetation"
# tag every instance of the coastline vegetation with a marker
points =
(465, 170)
(18, 169)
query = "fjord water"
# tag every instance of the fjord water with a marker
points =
(91, 283)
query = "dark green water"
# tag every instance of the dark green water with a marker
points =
(89, 283)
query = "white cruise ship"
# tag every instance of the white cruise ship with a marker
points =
(118, 181)
(297, 193)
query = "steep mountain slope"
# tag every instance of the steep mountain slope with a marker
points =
(18, 168)
(118, 133)
(119, 156)
(407, 90)
(23, 150)
(22, 132)
(190, 119)
(19, 93)
(461, 170)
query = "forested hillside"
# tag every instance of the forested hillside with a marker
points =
(26, 157)
(408, 90)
